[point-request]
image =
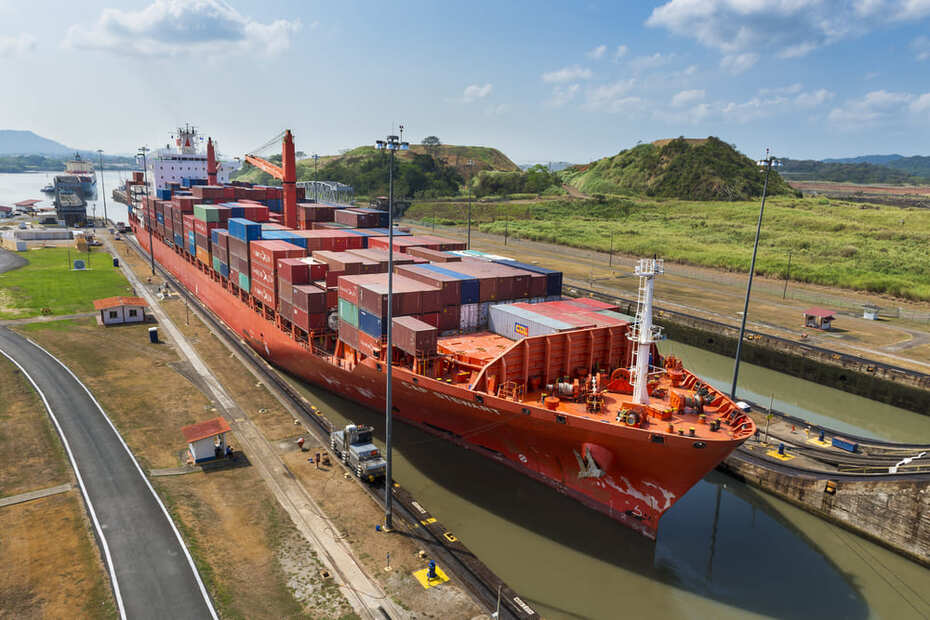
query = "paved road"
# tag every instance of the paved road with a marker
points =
(152, 572)
(10, 260)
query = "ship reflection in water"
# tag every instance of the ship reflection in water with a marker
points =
(725, 550)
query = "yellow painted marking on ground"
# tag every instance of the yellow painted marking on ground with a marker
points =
(450, 537)
(430, 583)
(817, 442)
(428, 521)
(780, 457)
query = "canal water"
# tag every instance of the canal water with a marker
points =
(15, 187)
(725, 550)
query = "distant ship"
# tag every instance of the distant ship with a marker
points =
(79, 177)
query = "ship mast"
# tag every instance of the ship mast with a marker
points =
(644, 334)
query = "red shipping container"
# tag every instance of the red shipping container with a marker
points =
(348, 334)
(434, 256)
(449, 318)
(264, 294)
(294, 270)
(309, 297)
(413, 336)
(348, 285)
(431, 318)
(308, 321)
(263, 275)
(285, 292)
(317, 269)
(368, 344)
(267, 252)
(593, 304)
(285, 309)
(441, 243)
(449, 286)
(188, 221)
(332, 297)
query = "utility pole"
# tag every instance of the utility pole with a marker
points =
(468, 164)
(506, 230)
(103, 190)
(145, 180)
(392, 144)
(768, 162)
(611, 261)
(784, 293)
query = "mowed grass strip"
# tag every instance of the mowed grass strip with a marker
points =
(48, 282)
(876, 248)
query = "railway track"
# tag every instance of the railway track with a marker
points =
(449, 552)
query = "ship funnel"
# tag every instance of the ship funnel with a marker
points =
(644, 334)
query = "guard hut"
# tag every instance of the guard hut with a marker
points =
(206, 440)
(870, 312)
(118, 310)
(818, 318)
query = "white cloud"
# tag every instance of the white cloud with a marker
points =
(646, 63)
(687, 97)
(612, 97)
(597, 53)
(785, 28)
(497, 110)
(562, 95)
(921, 48)
(738, 63)
(176, 27)
(791, 89)
(920, 104)
(567, 74)
(875, 107)
(16, 45)
(813, 98)
(622, 50)
(473, 92)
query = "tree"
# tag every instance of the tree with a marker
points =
(432, 145)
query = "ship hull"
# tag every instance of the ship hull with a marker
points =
(635, 481)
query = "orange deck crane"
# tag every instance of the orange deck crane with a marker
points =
(287, 173)
(211, 163)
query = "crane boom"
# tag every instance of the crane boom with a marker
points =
(287, 173)
(211, 163)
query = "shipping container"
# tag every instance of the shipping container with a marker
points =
(308, 321)
(348, 312)
(413, 336)
(244, 229)
(294, 270)
(449, 318)
(468, 317)
(449, 286)
(409, 296)
(469, 286)
(371, 324)
(553, 278)
(348, 334)
(267, 253)
(434, 256)
(244, 283)
(515, 323)
(370, 345)
(309, 297)
(380, 256)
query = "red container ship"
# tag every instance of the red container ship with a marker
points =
(486, 353)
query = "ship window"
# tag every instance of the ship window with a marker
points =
(526, 410)
(699, 444)
(415, 380)
(479, 399)
(560, 419)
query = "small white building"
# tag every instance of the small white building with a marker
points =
(206, 440)
(117, 310)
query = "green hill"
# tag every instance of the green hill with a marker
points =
(841, 172)
(422, 171)
(689, 169)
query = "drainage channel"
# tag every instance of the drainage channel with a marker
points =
(441, 544)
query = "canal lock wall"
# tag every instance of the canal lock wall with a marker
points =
(893, 512)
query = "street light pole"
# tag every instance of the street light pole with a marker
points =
(145, 181)
(768, 162)
(784, 293)
(392, 144)
(103, 190)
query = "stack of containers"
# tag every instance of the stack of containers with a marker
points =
(263, 258)
(206, 218)
(241, 233)
(385, 231)
(381, 257)
(382, 216)
(348, 298)
(344, 264)
(413, 336)
(576, 316)
(410, 298)
(300, 302)
(553, 278)
(285, 235)
(189, 236)
(441, 243)
(313, 213)
(450, 287)
(332, 240)
(219, 238)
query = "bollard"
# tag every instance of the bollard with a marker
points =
(781, 449)
(821, 436)
(431, 570)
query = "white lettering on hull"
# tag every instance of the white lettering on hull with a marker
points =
(452, 399)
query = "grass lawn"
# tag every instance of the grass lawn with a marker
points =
(876, 248)
(48, 282)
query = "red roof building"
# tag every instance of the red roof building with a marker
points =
(818, 318)
(206, 440)
(116, 310)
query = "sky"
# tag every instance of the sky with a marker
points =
(570, 81)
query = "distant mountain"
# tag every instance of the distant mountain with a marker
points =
(880, 160)
(863, 173)
(18, 142)
(554, 166)
(918, 165)
(690, 169)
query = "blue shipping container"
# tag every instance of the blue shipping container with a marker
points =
(191, 243)
(845, 444)
(214, 236)
(285, 235)
(179, 240)
(244, 229)
(371, 324)
(468, 285)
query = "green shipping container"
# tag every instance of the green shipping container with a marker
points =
(206, 213)
(244, 283)
(216, 264)
(348, 312)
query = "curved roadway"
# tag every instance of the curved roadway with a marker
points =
(152, 572)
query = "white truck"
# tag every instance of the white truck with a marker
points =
(354, 447)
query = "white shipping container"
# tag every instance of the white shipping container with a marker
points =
(516, 323)
(468, 317)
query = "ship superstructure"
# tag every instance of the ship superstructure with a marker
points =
(185, 157)
(486, 351)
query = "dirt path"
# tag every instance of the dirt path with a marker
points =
(574, 192)
(718, 295)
